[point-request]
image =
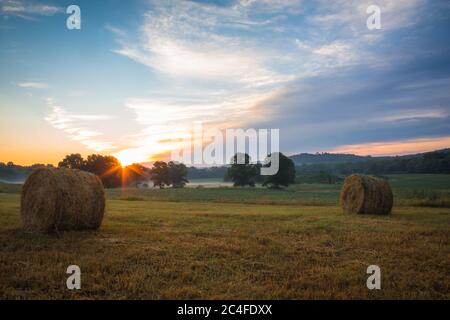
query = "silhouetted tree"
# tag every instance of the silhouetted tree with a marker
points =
(285, 174)
(241, 171)
(177, 174)
(160, 174)
(73, 161)
(134, 174)
(107, 168)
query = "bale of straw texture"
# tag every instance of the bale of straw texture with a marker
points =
(363, 194)
(62, 199)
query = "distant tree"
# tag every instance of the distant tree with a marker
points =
(259, 178)
(107, 168)
(73, 161)
(134, 174)
(242, 172)
(205, 173)
(177, 174)
(285, 175)
(159, 174)
(326, 177)
(435, 155)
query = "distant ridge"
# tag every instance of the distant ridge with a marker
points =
(315, 158)
(327, 158)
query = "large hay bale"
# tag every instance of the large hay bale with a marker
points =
(62, 199)
(363, 194)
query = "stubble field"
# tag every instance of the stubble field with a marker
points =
(225, 243)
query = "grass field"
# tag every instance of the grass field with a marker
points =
(230, 243)
(409, 190)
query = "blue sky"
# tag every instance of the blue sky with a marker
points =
(138, 73)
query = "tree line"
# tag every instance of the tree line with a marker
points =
(113, 175)
(163, 174)
(431, 162)
(13, 173)
(107, 168)
(241, 171)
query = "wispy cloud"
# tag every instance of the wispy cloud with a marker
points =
(77, 127)
(336, 35)
(182, 39)
(27, 9)
(117, 31)
(166, 122)
(33, 85)
(194, 40)
(225, 76)
(411, 115)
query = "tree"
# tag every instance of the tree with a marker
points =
(285, 174)
(73, 161)
(241, 171)
(134, 174)
(107, 168)
(177, 174)
(160, 174)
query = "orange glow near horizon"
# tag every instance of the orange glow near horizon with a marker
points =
(392, 148)
(138, 155)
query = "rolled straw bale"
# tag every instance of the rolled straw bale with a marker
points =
(363, 194)
(62, 199)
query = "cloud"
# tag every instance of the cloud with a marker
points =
(117, 31)
(221, 76)
(76, 126)
(184, 40)
(399, 147)
(166, 122)
(334, 48)
(307, 69)
(364, 104)
(28, 9)
(191, 40)
(33, 85)
(411, 115)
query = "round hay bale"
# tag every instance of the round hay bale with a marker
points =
(363, 194)
(62, 199)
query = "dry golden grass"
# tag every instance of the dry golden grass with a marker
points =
(174, 250)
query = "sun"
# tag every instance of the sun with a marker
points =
(130, 156)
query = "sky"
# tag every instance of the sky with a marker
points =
(138, 74)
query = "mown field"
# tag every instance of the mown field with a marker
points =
(409, 190)
(227, 243)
